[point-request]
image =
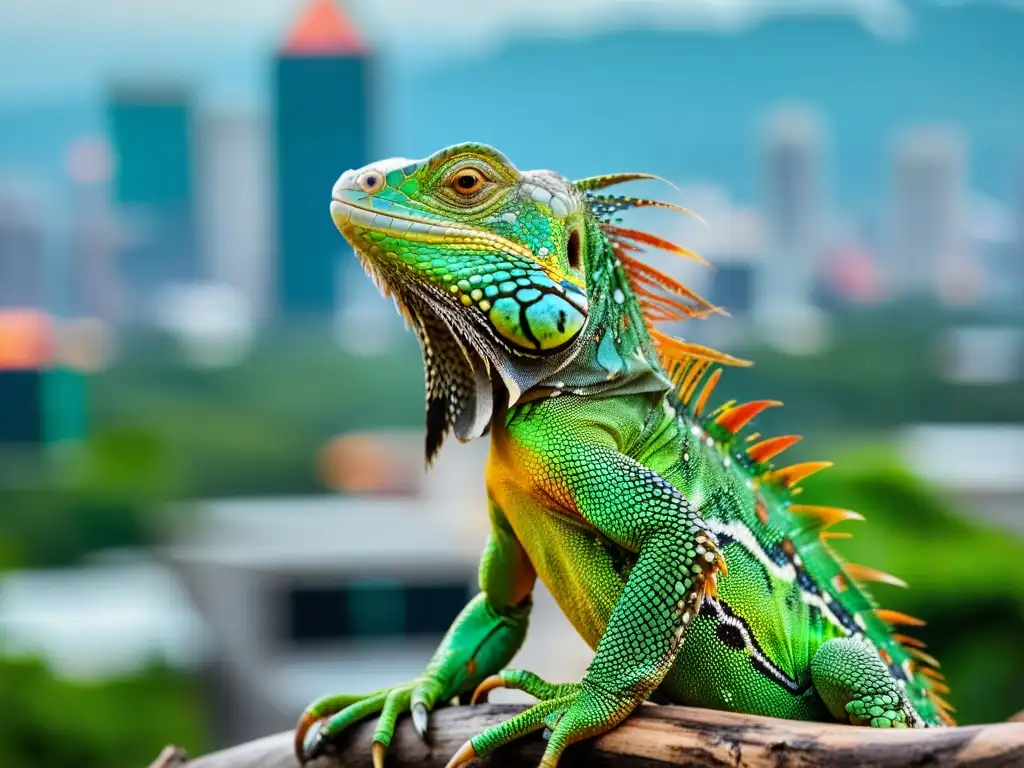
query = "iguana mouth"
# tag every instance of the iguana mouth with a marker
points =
(348, 216)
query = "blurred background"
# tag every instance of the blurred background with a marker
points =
(212, 499)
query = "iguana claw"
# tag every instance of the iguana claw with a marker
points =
(301, 728)
(485, 687)
(419, 719)
(465, 754)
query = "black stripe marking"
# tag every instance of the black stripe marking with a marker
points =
(733, 630)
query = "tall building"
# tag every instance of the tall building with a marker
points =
(1018, 227)
(235, 233)
(322, 116)
(23, 274)
(95, 288)
(927, 223)
(735, 255)
(792, 199)
(153, 188)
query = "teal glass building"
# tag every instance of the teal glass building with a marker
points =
(322, 103)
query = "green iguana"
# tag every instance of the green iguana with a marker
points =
(673, 545)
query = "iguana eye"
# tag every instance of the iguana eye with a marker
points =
(371, 182)
(467, 181)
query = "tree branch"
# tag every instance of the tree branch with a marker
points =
(659, 736)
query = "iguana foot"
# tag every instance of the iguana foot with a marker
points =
(583, 712)
(328, 717)
(521, 680)
(858, 688)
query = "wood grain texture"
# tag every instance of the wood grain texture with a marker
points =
(658, 736)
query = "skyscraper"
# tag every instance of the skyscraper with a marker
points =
(322, 127)
(151, 135)
(792, 194)
(23, 274)
(1018, 224)
(234, 229)
(927, 217)
(95, 288)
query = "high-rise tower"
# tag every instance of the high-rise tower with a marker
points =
(322, 127)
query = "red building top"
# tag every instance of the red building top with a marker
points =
(323, 29)
(26, 339)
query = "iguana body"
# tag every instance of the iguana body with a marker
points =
(671, 543)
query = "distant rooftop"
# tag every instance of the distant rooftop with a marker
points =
(967, 456)
(110, 617)
(323, 29)
(313, 533)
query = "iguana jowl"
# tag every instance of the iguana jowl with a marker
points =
(672, 544)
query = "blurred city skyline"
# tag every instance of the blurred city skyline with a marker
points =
(149, 35)
(869, 100)
(195, 371)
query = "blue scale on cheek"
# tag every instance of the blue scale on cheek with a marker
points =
(541, 280)
(553, 321)
(504, 316)
(526, 295)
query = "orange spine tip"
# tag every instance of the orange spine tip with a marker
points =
(938, 687)
(864, 573)
(694, 372)
(793, 474)
(932, 674)
(610, 179)
(909, 641)
(833, 535)
(640, 202)
(640, 272)
(709, 387)
(927, 658)
(946, 719)
(637, 236)
(673, 350)
(943, 703)
(737, 417)
(897, 618)
(772, 447)
(825, 516)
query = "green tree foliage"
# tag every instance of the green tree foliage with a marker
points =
(106, 492)
(52, 723)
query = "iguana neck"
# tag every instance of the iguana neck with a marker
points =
(615, 354)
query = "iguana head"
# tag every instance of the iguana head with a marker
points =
(466, 230)
(507, 278)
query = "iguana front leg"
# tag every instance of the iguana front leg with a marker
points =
(483, 639)
(676, 564)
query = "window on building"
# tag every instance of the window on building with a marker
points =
(370, 609)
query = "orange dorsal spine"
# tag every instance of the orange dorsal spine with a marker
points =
(789, 476)
(772, 447)
(736, 418)
(896, 618)
(864, 573)
(824, 517)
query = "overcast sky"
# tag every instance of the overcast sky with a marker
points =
(52, 46)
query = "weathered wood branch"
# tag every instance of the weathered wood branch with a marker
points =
(658, 736)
